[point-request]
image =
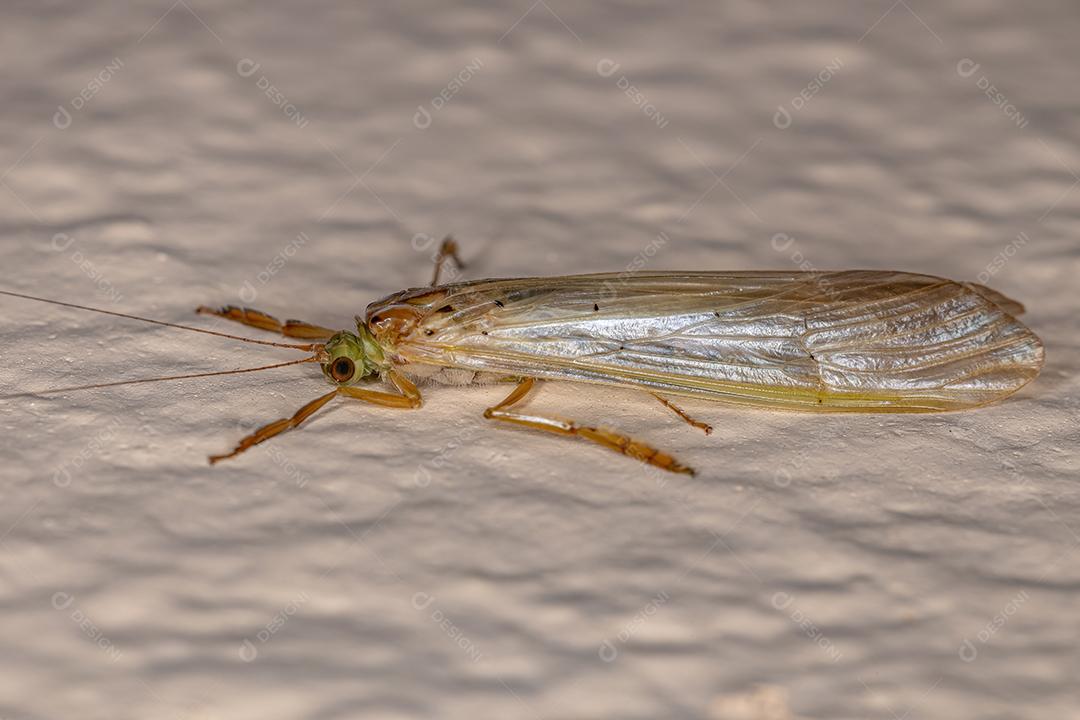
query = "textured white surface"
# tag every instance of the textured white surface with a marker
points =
(131, 574)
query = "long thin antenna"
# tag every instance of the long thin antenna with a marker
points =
(309, 348)
(157, 379)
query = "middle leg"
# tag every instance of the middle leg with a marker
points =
(409, 398)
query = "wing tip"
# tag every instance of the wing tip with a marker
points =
(1006, 303)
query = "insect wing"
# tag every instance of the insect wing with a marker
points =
(829, 341)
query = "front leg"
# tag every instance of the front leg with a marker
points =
(409, 398)
(276, 428)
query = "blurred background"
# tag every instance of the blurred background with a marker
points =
(305, 159)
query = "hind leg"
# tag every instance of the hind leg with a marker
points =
(601, 436)
(705, 427)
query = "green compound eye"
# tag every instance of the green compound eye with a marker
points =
(342, 370)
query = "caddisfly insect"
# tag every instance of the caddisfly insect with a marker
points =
(849, 341)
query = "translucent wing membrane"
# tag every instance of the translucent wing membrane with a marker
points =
(828, 341)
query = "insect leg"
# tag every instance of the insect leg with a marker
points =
(409, 397)
(682, 413)
(259, 319)
(278, 426)
(608, 438)
(448, 249)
